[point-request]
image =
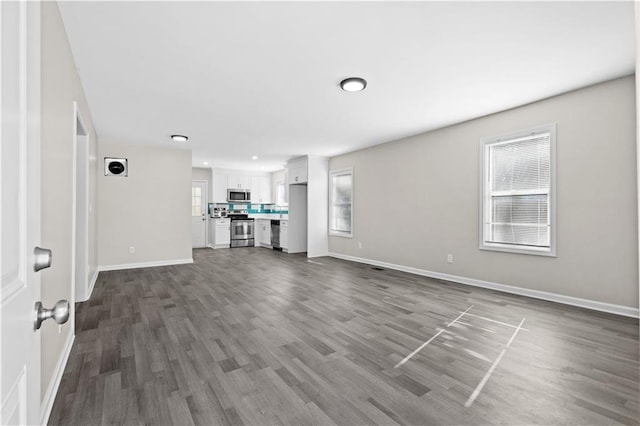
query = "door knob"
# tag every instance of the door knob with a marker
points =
(59, 313)
(41, 258)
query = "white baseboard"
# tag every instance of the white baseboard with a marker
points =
(626, 311)
(144, 264)
(54, 384)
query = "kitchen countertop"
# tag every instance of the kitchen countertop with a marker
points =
(269, 216)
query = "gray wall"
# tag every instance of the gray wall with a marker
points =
(149, 209)
(416, 200)
(60, 88)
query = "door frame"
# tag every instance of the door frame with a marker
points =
(205, 204)
(80, 293)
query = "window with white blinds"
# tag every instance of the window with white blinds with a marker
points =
(341, 202)
(518, 208)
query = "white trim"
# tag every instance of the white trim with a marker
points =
(485, 206)
(92, 284)
(637, 22)
(79, 138)
(341, 172)
(626, 311)
(54, 384)
(144, 264)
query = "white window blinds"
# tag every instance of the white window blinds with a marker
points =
(341, 200)
(517, 192)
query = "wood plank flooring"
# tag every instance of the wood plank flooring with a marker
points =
(251, 336)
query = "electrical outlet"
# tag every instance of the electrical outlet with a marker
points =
(132, 250)
(449, 258)
(359, 245)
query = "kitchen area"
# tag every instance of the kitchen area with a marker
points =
(285, 210)
(235, 225)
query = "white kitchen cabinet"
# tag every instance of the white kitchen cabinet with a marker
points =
(297, 223)
(222, 233)
(263, 232)
(257, 232)
(238, 181)
(297, 171)
(211, 240)
(284, 235)
(219, 188)
(261, 190)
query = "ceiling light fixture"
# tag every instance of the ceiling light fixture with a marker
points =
(353, 84)
(255, 157)
(179, 138)
(206, 163)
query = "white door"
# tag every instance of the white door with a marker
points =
(199, 213)
(20, 214)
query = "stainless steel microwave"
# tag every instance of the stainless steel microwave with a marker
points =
(239, 195)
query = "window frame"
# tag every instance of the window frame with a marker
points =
(281, 202)
(340, 172)
(485, 205)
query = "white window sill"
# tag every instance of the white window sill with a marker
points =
(341, 234)
(508, 248)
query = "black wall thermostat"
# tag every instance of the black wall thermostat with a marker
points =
(115, 167)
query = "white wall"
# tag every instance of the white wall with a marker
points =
(60, 88)
(149, 210)
(416, 200)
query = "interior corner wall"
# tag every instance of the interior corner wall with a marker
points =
(149, 210)
(417, 200)
(60, 88)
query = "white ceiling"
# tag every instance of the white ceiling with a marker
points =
(245, 78)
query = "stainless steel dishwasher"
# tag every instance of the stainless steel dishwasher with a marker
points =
(275, 235)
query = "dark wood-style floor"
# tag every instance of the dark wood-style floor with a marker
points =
(257, 337)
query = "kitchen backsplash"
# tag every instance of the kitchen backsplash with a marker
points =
(259, 208)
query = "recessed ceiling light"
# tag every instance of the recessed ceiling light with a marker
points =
(179, 138)
(353, 84)
(206, 163)
(255, 157)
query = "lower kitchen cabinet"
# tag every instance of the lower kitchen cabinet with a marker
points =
(222, 233)
(263, 232)
(211, 238)
(284, 235)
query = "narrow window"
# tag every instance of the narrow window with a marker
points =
(341, 202)
(518, 184)
(196, 201)
(281, 195)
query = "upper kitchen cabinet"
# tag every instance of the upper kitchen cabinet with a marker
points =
(261, 190)
(259, 183)
(297, 171)
(238, 182)
(219, 188)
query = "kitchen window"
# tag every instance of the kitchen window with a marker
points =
(518, 187)
(281, 195)
(341, 202)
